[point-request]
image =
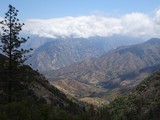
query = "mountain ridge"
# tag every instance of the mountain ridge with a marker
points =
(109, 70)
(59, 53)
(115, 58)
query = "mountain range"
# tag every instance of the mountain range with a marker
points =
(122, 67)
(57, 53)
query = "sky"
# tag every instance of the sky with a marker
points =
(47, 9)
(87, 18)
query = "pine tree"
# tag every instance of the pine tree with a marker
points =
(9, 37)
(11, 42)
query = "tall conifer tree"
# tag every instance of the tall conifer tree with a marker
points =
(11, 42)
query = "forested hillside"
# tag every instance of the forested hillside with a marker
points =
(32, 97)
(140, 103)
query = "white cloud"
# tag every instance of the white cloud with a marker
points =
(134, 24)
(137, 25)
(83, 26)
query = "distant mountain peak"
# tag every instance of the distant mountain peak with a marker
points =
(153, 40)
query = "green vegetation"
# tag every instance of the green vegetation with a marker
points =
(28, 110)
(34, 98)
(11, 43)
(141, 103)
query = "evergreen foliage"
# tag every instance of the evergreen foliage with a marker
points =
(11, 42)
(27, 105)
(141, 103)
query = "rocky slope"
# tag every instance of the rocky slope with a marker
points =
(64, 52)
(122, 67)
(61, 53)
(77, 89)
(113, 64)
